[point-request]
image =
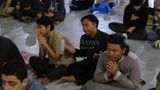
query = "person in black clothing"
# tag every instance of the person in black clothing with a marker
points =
(54, 10)
(57, 11)
(9, 52)
(92, 44)
(134, 20)
(28, 10)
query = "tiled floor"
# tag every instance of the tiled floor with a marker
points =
(24, 35)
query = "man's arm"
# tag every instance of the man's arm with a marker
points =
(127, 16)
(42, 41)
(8, 3)
(51, 52)
(132, 81)
(42, 52)
(158, 82)
(143, 18)
(81, 52)
(101, 75)
(131, 29)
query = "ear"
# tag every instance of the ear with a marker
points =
(48, 27)
(94, 24)
(124, 50)
(24, 82)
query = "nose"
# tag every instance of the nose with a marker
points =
(6, 87)
(110, 53)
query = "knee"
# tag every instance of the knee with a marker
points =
(33, 60)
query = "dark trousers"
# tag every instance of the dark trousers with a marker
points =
(139, 34)
(41, 67)
(82, 71)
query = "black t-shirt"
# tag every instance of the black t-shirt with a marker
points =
(142, 13)
(89, 46)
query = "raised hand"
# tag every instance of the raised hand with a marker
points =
(41, 40)
(112, 67)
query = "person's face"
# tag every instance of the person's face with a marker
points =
(114, 51)
(88, 27)
(43, 30)
(10, 82)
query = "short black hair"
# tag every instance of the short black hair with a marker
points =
(16, 69)
(136, 2)
(119, 39)
(91, 18)
(46, 21)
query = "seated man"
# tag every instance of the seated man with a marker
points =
(53, 44)
(14, 77)
(26, 10)
(92, 44)
(134, 21)
(53, 9)
(117, 68)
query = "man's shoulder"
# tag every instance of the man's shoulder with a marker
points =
(102, 33)
(129, 7)
(57, 34)
(133, 56)
(35, 85)
(104, 54)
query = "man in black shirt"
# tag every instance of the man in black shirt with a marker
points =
(134, 20)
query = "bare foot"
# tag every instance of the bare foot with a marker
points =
(45, 81)
(67, 79)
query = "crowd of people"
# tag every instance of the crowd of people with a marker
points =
(108, 63)
(31, 10)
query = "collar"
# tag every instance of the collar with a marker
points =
(122, 58)
(97, 33)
